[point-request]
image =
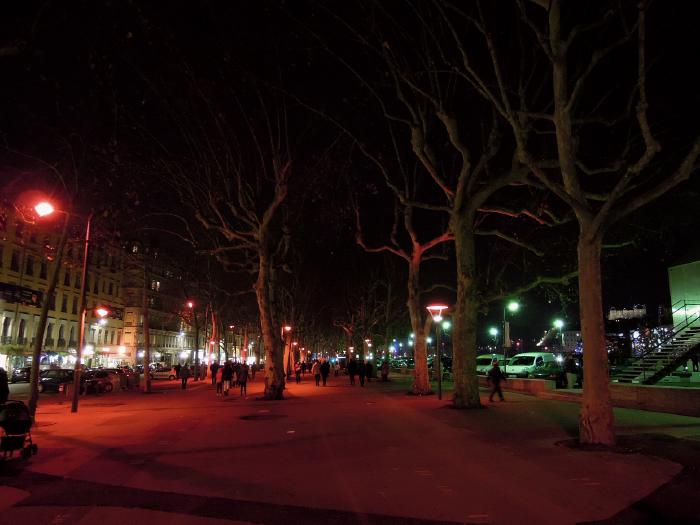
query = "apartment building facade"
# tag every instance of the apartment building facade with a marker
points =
(115, 281)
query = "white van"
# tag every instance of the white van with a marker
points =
(523, 365)
(483, 362)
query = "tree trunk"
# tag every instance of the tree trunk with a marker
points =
(43, 316)
(596, 419)
(466, 389)
(421, 383)
(274, 366)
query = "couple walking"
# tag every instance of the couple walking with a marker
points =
(321, 371)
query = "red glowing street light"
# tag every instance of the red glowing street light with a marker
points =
(44, 208)
(190, 304)
(102, 311)
(436, 313)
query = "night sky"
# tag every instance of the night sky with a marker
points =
(96, 88)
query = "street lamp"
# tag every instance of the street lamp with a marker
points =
(493, 332)
(191, 305)
(288, 365)
(512, 307)
(559, 324)
(435, 311)
(44, 209)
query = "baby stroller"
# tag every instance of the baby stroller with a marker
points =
(15, 433)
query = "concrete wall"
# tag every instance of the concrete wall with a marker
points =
(678, 400)
(683, 401)
(529, 386)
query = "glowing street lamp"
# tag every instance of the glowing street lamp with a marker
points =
(511, 307)
(286, 338)
(559, 325)
(435, 311)
(102, 311)
(45, 209)
(493, 332)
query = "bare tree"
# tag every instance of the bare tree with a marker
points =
(234, 182)
(414, 252)
(586, 140)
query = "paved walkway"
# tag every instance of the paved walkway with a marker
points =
(325, 455)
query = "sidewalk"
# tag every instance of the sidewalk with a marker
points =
(337, 454)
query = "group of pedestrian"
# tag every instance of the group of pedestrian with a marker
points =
(320, 369)
(363, 370)
(231, 374)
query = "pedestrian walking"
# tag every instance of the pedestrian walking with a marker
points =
(336, 369)
(242, 378)
(177, 370)
(253, 370)
(4, 386)
(495, 376)
(219, 379)
(227, 376)
(325, 370)
(303, 367)
(316, 372)
(352, 370)
(694, 359)
(214, 368)
(362, 372)
(184, 376)
(369, 369)
(385, 371)
(297, 372)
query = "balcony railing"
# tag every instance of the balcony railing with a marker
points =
(21, 340)
(49, 342)
(6, 340)
(61, 343)
(72, 344)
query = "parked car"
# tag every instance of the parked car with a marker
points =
(552, 371)
(163, 373)
(52, 380)
(525, 364)
(21, 375)
(99, 381)
(483, 362)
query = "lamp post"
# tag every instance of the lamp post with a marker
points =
(288, 366)
(493, 332)
(512, 307)
(436, 313)
(559, 324)
(191, 306)
(44, 209)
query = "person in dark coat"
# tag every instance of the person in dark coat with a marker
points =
(369, 370)
(227, 376)
(495, 376)
(362, 372)
(184, 376)
(694, 359)
(352, 370)
(214, 368)
(4, 387)
(325, 370)
(385, 371)
(243, 379)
